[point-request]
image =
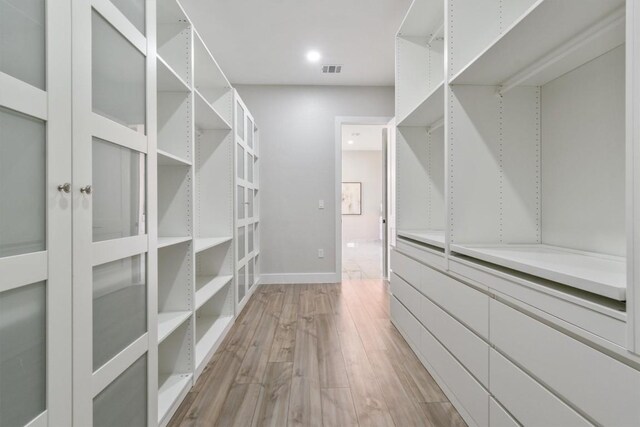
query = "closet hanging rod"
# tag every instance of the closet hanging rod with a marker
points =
(589, 35)
(434, 35)
(435, 125)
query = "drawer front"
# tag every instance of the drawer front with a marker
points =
(405, 322)
(498, 417)
(406, 294)
(467, 390)
(407, 268)
(462, 301)
(527, 400)
(466, 346)
(605, 389)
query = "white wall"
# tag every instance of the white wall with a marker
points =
(297, 161)
(366, 167)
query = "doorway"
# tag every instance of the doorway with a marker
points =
(363, 208)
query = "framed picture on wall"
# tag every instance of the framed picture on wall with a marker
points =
(351, 198)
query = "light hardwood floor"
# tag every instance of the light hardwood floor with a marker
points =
(316, 355)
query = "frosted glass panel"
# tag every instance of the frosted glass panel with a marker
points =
(118, 73)
(251, 277)
(22, 354)
(250, 203)
(119, 306)
(240, 162)
(241, 240)
(242, 287)
(240, 202)
(22, 183)
(22, 43)
(118, 191)
(250, 240)
(124, 401)
(133, 10)
(240, 120)
(249, 168)
(249, 133)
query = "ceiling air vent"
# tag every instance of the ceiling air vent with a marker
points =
(331, 69)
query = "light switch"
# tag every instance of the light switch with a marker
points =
(320, 204)
(320, 253)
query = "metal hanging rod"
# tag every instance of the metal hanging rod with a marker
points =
(435, 125)
(589, 35)
(436, 33)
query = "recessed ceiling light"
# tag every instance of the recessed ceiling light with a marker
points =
(313, 56)
(349, 142)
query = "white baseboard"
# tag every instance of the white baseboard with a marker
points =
(287, 278)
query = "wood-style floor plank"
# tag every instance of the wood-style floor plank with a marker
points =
(337, 408)
(316, 355)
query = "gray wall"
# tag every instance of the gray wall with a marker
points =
(297, 161)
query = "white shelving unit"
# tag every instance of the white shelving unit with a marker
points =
(420, 176)
(517, 205)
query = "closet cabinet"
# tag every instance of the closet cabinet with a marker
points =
(517, 133)
(118, 245)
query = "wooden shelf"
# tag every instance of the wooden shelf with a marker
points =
(169, 322)
(208, 286)
(171, 389)
(164, 242)
(596, 273)
(428, 111)
(548, 26)
(429, 237)
(168, 79)
(206, 117)
(204, 243)
(208, 331)
(168, 159)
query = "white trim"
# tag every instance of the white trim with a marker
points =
(298, 278)
(113, 250)
(111, 370)
(21, 270)
(121, 23)
(41, 420)
(103, 128)
(22, 97)
(339, 121)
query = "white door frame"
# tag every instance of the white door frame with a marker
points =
(347, 120)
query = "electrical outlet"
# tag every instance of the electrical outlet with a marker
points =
(320, 253)
(320, 204)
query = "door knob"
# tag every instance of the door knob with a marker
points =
(86, 189)
(66, 187)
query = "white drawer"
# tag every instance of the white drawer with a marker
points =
(468, 305)
(407, 268)
(466, 346)
(498, 417)
(406, 294)
(604, 388)
(405, 322)
(528, 401)
(467, 390)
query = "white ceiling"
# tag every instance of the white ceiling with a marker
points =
(265, 41)
(364, 137)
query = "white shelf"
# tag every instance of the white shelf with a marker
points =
(168, 159)
(163, 242)
(208, 74)
(545, 27)
(170, 12)
(204, 243)
(428, 111)
(208, 286)
(422, 19)
(596, 273)
(206, 116)
(168, 79)
(170, 389)
(169, 322)
(430, 237)
(208, 332)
